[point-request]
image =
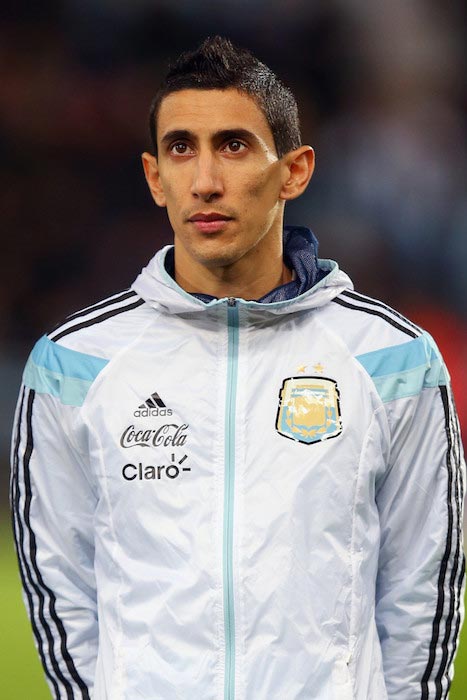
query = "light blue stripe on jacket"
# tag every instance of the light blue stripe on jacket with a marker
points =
(404, 370)
(61, 372)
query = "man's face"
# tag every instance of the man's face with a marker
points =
(218, 174)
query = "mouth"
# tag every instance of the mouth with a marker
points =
(210, 222)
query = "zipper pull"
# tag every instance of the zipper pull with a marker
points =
(231, 301)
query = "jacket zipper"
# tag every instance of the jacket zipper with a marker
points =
(229, 479)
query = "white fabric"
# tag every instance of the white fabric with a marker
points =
(337, 544)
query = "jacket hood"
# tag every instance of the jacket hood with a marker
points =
(156, 286)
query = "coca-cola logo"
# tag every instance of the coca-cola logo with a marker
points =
(168, 435)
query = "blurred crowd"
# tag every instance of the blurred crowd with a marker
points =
(381, 91)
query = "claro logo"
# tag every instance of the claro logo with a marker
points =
(168, 435)
(150, 472)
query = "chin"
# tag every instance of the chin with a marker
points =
(218, 260)
(219, 255)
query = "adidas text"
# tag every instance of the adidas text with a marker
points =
(146, 412)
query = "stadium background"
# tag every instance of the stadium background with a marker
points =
(381, 90)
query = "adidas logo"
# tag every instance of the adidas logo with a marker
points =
(153, 406)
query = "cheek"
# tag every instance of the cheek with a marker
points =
(172, 205)
(167, 189)
(172, 197)
(263, 188)
(263, 183)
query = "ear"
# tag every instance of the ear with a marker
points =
(153, 179)
(298, 166)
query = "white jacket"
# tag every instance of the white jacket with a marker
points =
(240, 501)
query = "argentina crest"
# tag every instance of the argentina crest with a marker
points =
(309, 409)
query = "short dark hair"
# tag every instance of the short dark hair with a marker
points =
(217, 65)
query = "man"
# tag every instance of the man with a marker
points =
(239, 479)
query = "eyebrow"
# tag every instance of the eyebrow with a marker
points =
(217, 136)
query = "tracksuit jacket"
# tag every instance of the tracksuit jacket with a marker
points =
(237, 500)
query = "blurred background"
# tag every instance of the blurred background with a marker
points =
(382, 94)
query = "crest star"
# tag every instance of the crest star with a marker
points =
(318, 367)
(301, 369)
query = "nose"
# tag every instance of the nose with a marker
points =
(207, 182)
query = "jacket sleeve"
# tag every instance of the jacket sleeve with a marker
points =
(419, 589)
(53, 502)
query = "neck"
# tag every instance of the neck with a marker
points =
(231, 285)
(257, 272)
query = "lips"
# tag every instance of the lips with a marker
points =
(211, 222)
(213, 216)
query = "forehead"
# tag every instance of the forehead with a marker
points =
(209, 111)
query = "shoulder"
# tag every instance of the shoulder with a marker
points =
(93, 328)
(369, 323)
(65, 362)
(400, 357)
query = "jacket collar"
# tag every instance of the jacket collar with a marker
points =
(315, 281)
(300, 255)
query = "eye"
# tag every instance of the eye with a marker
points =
(234, 146)
(180, 148)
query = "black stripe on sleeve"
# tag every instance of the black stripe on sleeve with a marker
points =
(27, 577)
(444, 563)
(461, 569)
(101, 305)
(114, 300)
(374, 302)
(458, 620)
(41, 588)
(453, 603)
(18, 534)
(96, 319)
(375, 312)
